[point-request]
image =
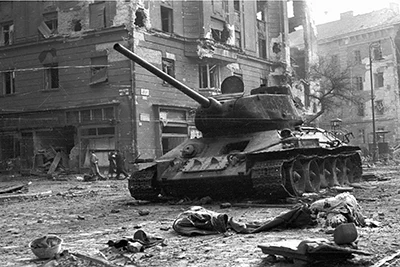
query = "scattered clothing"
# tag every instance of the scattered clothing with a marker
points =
(337, 210)
(333, 211)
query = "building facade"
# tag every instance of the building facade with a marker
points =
(65, 89)
(359, 42)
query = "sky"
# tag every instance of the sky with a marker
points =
(329, 10)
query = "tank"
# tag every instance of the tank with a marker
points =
(252, 146)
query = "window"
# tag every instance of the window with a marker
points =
(380, 109)
(357, 56)
(96, 115)
(209, 76)
(225, 6)
(97, 131)
(262, 47)
(51, 20)
(7, 34)
(97, 15)
(166, 19)
(261, 11)
(168, 66)
(378, 77)
(98, 70)
(361, 109)
(377, 52)
(238, 39)
(51, 80)
(9, 83)
(263, 81)
(174, 128)
(359, 83)
(236, 5)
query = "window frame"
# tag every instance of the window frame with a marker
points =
(98, 70)
(167, 19)
(94, 22)
(357, 56)
(11, 89)
(51, 21)
(9, 33)
(168, 66)
(49, 71)
(212, 76)
(379, 80)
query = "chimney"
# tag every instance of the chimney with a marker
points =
(394, 7)
(346, 15)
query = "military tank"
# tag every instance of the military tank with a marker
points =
(251, 146)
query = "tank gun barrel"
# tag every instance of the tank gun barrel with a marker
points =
(202, 100)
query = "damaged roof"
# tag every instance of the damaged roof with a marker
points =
(349, 24)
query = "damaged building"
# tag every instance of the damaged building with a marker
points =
(66, 91)
(360, 41)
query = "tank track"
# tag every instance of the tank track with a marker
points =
(273, 186)
(141, 184)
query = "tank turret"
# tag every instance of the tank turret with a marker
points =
(253, 145)
(267, 108)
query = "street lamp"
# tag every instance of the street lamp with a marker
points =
(374, 148)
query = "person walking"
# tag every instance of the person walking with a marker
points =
(120, 164)
(94, 165)
(112, 168)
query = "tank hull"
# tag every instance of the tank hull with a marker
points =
(269, 168)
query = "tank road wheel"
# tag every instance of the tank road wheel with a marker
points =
(327, 173)
(357, 167)
(295, 178)
(350, 170)
(312, 176)
(339, 171)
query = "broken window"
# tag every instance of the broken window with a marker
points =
(97, 16)
(209, 76)
(51, 79)
(262, 47)
(166, 19)
(174, 128)
(77, 25)
(361, 109)
(98, 70)
(7, 34)
(380, 109)
(261, 10)
(140, 17)
(359, 83)
(379, 82)
(357, 56)
(51, 21)
(168, 66)
(9, 83)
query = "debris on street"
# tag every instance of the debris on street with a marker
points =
(310, 250)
